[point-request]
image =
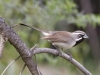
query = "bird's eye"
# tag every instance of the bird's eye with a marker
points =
(79, 36)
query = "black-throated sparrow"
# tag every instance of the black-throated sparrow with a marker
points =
(63, 39)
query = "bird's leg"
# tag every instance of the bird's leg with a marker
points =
(57, 49)
(70, 57)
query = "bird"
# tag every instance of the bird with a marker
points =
(62, 39)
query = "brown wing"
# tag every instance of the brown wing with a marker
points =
(59, 36)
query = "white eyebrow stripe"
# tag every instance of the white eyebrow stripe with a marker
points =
(75, 37)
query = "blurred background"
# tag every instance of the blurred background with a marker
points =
(69, 15)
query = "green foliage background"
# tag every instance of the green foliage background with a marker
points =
(45, 17)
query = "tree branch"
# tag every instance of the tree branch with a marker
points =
(22, 69)
(20, 46)
(9, 65)
(63, 55)
(26, 53)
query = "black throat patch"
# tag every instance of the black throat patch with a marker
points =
(77, 42)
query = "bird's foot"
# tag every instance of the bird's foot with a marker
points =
(59, 52)
(57, 48)
(70, 57)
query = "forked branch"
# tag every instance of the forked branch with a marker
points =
(26, 54)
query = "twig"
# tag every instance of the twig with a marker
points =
(22, 69)
(32, 50)
(9, 65)
(14, 25)
(63, 55)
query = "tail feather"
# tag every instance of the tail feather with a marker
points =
(46, 38)
(31, 27)
(43, 32)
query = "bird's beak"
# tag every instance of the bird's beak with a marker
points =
(85, 36)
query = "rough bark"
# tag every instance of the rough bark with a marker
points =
(20, 46)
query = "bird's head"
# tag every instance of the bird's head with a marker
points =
(79, 36)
